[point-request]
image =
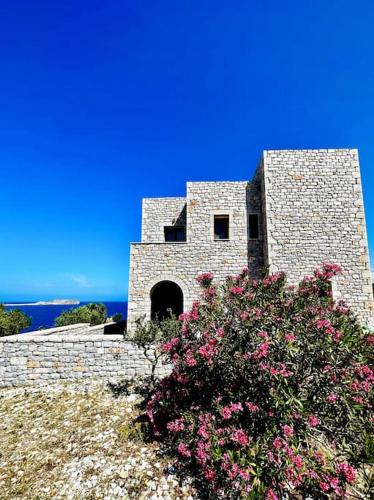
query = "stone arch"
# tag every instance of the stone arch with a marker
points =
(166, 296)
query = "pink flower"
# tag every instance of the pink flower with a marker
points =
(289, 337)
(251, 407)
(203, 432)
(239, 436)
(328, 271)
(210, 475)
(183, 450)
(270, 495)
(237, 290)
(176, 425)
(347, 471)
(244, 315)
(226, 413)
(323, 323)
(277, 443)
(262, 351)
(168, 346)
(370, 339)
(220, 333)
(245, 475)
(359, 400)
(332, 398)
(334, 482)
(313, 421)
(338, 335)
(205, 279)
(287, 431)
(207, 351)
(298, 461)
(236, 407)
(189, 359)
(201, 454)
(273, 278)
(183, 316)
(324, 486)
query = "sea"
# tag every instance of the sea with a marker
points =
(44, 316)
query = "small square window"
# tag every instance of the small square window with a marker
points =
(221, 227)
(175, 233)
(253, 227)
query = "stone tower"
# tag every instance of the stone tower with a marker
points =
(302, 208)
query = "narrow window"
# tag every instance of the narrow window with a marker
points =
(221, 227)
(175, 233)
(253, 227)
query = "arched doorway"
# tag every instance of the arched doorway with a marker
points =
(165, 296)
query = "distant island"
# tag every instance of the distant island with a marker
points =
(55, 302)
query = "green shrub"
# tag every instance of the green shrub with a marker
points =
(271, 390)
(13, 321)
(149, 334)
(94, 314)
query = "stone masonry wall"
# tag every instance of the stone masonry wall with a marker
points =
(33, 358)
(182, 262)
(314, 213)
(158, 213)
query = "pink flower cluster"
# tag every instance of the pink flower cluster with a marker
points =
(183, 450)
(290, 337)
(325, 324)
(281, 370)
(262, 351)
(313, 421)
(251, 407)
(209, 350)
(189, 359)
(328, 271)
(273, 278)
(287, 431)
(240, 437)
(227, 411)
(237, 290)
(332, 398)
(347, 471)
(205, 279)
(176, 425)
(169, 346)
(202, 454)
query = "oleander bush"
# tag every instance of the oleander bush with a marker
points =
(269, 396)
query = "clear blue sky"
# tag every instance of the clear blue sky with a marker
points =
(105, 102)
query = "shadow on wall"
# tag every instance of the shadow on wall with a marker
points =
(118, 328)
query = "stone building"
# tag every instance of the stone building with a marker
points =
(302, 208)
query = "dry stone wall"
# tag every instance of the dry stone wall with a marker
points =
(74, 354)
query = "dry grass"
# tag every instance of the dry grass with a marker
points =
(78, 441)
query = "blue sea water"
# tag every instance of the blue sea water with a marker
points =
(44, 316)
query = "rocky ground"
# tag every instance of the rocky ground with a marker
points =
(79, 441)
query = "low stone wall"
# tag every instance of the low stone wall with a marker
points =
(70, 353)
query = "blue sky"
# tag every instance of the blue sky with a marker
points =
(105, 102)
